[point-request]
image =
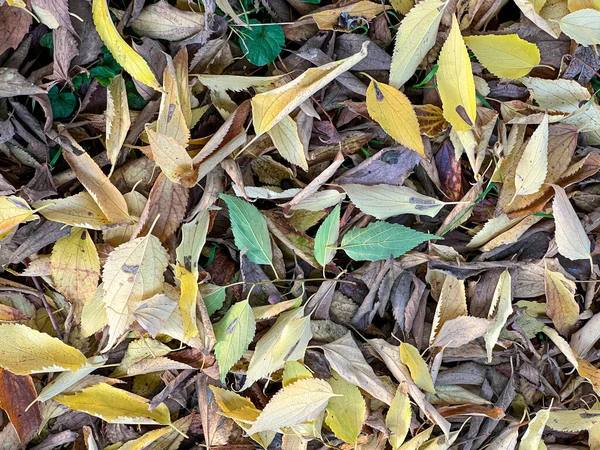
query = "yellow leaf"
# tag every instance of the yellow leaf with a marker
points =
(402, 6)
(560, 298)
(398, 417)
(346, 413)
(76, 267)
(116, 406)
(286, 139)
(235, 83)
(131, 61)
(93, 315)
(571, 238)
(561, 95)
(393, 111)
(79, 210)
(455, 81)
(452, 304)
(172, 158)
(416, 442)
(24, 351)
(533, 165)
(187, 301)
(502, 305)
(294, 371)
(269, 311)
(419, 371)
(528, 10)
(105, 194)
(172, 121)
(132, 273)
(573, 420)
(576, 5)
(582, 26)
(235, 406)
(329, 19)
(415, 37)
(506, 56)
(271, 107)
(117, 118)
(193, 238)
(119, 235)
(13, 211)
(293, 405)
(533, 435)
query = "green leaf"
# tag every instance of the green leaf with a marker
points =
(213, 296)
(262, 43)
(327, 236)
(249, 230)
(234, 333)
(346, 413)
(81, 79)
(379, 240)
(47, 41)
(135, 100)
(103, 74)
(63, 103)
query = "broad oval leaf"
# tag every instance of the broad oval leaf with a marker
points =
(131, 61)
(391, 109)
(293, 405)
(249, 230)
(571, 238)
(410, 356)
(455, 81)
(560, 299)
(582, 26)
(506, 56)
(24, 351)
(346, 413)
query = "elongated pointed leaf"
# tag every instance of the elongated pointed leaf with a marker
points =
(327, 236)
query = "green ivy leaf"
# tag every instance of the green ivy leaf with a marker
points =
(63, 103)
(262, 43)
(104, 74)
(135, 100)
(234, 333)
(327, 236)
(249, 230)
(379, 240)
(46, 41)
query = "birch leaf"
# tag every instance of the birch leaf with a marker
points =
(249, 230)
(13, 211)
(383, 200)
(506, 56)
(327, 236)
(116, 406)
(415, 37)
(117, 118)
(234, 332)
(131, 61)
(560, 299)
(270, 107)
(571, 238)
(502, 307)
(419, 371)
(533, 165)
(75, 266)
(532, 438)
(24, 351)
(293, 405)
(398, 417)
(391, 109)
(345, 413)
(286, 140)
(455, 81)
(132, 273)
(79, 210)
(172, 158)
(582, 26)
(187, 300)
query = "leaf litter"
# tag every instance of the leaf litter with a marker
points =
(299, 224)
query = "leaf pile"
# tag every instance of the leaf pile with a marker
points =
(299, 224)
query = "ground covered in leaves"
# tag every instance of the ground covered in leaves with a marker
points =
(301, 225)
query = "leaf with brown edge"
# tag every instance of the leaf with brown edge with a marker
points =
(17, 398)
(431, 120)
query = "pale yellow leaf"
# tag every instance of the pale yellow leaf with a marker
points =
(582, 26)
(560, 298)
(172, 121)
(76, 267)
(293, 405)
(460, 331)
(320, 200)
(402, 6)
(294, 371)
(24, 351)
(235, 406)
(13, 211)
(571, 238)
(415, 37)
(235, 83)
(116, 406)
(455, 81)
(328, 19)
(385, 200)
(269, 311)
(116, 236)
(117, 118)
(270, 107)
(287, 141)
(79, 210)
(398, 417)
(187, 301)
(193, 238)
(391, 109)
(573, 420)
(533, 165)
(507, 440)
(132, 273)
(172, 158)
(131, 61)
(528, 10)
(410, 356)
(502, 307)
(506, 56)
(452, 303)
(93, 314)
(346, 413)
(285, 340)
(533, 435)
(416, 442)
(560, 95)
